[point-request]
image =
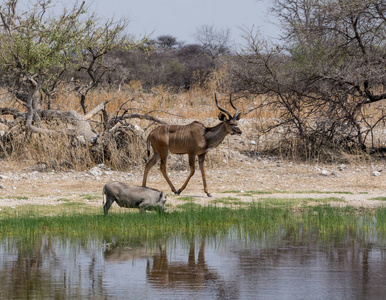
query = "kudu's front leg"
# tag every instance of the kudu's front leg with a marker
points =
(201, 161)
(163, 171)
(192, 160)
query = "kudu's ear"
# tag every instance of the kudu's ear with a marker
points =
(222, 117)
(237, 116)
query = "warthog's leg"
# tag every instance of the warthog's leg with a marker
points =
(201, 163)
(109, 201)
(142, 208)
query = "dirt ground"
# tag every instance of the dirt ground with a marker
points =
(355, 185)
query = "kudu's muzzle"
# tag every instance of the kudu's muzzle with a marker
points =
(236, 130)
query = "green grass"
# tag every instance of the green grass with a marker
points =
(74, 218)
(323, 192)
(16, 197)
(188, 206)
(66, 206)
(80, 221)
(63, 200)
(244, 193)
(295, 202)
(186, 198)
(230, 201)
(231, 192)
(379, 198)
(277, 202)
(91, 197)
(250, 193)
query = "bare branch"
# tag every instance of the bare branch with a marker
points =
(116, 119)
(97, 109)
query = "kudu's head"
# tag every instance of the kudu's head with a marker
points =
(229, 120)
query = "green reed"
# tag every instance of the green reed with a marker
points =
(191, 220)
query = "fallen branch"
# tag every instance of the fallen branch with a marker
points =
(11, 111)
(116, 119)
(97, 109)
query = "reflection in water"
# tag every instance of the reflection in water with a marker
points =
(289, 266)
(308, 268)
(165, 273)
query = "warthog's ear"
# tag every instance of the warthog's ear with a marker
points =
(161, 196)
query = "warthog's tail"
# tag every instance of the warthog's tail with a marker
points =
(103, 196)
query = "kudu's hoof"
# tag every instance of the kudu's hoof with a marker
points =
(209, 195)
(177, 192)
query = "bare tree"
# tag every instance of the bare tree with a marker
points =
(214, 41)
(99, 41)
(38, 49)
(327, 72)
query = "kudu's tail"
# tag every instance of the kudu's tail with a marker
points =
(148, 148)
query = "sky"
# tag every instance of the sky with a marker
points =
(181, 18)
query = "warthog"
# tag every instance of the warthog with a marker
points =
(130, 196)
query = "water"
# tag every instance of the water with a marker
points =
(232, 266)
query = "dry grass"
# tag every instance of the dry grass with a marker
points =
(56, 152)
(123, 148)
(126, 149)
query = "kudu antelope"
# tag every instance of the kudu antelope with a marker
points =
(193, 139)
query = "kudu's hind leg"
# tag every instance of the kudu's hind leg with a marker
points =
(149, 165)
(164, 158)
(201, 161)
(192, 160)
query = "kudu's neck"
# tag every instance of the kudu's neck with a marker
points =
(215, 135)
